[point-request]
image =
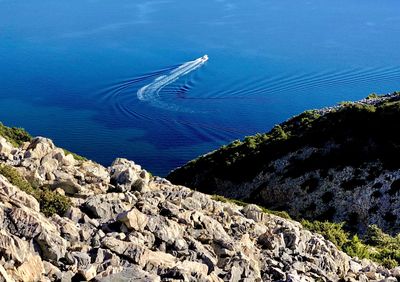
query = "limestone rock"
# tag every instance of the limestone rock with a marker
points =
(127, 176)
(12, 248)
(5, 148)
(31, 270)
(38, 148)
(4, 276)
(94, 172)
(130, 274)
(12, 194)
(133, 219)
(106, 206)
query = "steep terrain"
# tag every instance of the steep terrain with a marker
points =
(337, 164)
(64, 218)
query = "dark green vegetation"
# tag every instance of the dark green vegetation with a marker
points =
(16, 136)
(375, 244)
(50, 201)
(365, 132)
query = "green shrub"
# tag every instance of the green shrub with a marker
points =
(16, 136)
(282, 214)
(50, 201)
(356, 248)
(76, 156)
(333, 232)
(372, 96)
(376, 237)
(375, 245)
(16, 179)
(278, 133)
(389, 263)
(226, 200)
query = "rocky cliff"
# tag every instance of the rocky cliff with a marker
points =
(69, 219)
(336, 164)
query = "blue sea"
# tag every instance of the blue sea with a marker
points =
(107, 79)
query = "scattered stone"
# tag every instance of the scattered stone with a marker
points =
(151, 230)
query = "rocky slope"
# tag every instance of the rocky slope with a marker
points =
(337, 164)
(121, 224)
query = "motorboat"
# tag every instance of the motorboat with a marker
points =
(204, 58)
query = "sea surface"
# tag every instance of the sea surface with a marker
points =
(107, 78)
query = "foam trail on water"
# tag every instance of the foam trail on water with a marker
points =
(150, 92)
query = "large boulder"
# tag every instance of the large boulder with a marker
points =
(106, 206)
(38, 148)
(127, 176)
(133, 219)
(129, 250)
(94, 173)
(5, 148)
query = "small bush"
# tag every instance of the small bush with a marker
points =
(50, 201)
(16, 179)
(282, 214)
(389, 263)
(376, 237)
(372, 96)
(76, 156)
(16, 136)
(355, 248)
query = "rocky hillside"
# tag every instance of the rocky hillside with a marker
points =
(63, 218)
(337, 164)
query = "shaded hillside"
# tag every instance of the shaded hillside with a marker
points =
(338, 163)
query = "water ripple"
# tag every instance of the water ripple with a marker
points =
(201, 120)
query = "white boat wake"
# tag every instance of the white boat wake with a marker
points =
(150, 92)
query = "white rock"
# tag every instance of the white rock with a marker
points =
(5, 147)
(133, 219)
